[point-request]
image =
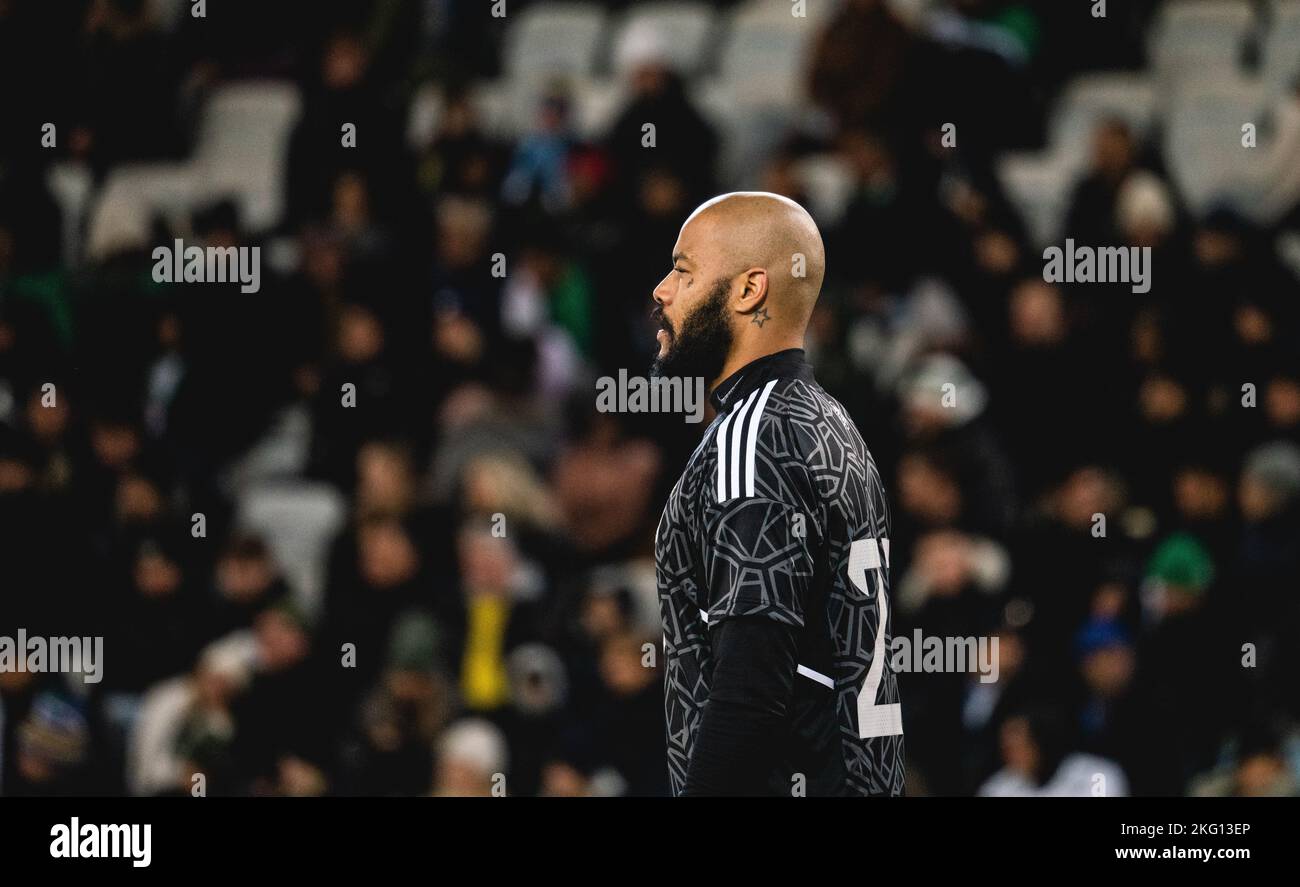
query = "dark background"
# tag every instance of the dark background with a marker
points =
(522, 136)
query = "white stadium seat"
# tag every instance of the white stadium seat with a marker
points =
(131, 197)
(764, 55)
(1039, 186)
(1199, 38)
(72, 185)
(554, 38)
(683, 29)
(299, 521)
(1280, 54)
(243, 147)
(829, 184)
(1203, 135)
(815, 12)
(282, 452)
(1092, 97)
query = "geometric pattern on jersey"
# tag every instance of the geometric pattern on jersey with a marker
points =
(783, 456)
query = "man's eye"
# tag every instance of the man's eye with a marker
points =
(680, 270)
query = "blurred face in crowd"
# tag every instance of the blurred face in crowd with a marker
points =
(1147, 338)
(115, 444)
(927, 491)
(1258, 501)
(1282, 401)
(457, 118)
(1252, 324)
(944, 559)
(1112, 150)
(649, 78)
(344, 63)
(545, 264)
(925, 417)
(244, 577)
(281, 642)
(461, 778)
(561, 780)
(156, 575)
(300, 779)
(351, 201)
(1019, 751)
(462, 232)
(1259, 775)
(384, 482)
(602, 617)
(1109, 600)
(138, 500)
(487, 563)
(361, 336)
(621, 668)
(323, 259)
(1008, 655)
(387, 556)
(661, 194)
(214, 688)
(1161, 399)
(1215, 248)
(1200, 493)
(553, 114)
(1108, 671)
(1037, 314)
(15, 475)
(48, 423)
(1086, 492)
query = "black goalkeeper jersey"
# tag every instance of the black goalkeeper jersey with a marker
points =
(781, 514)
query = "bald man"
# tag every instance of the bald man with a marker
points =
(772, 555)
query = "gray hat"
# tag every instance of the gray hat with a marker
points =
(1277, 466)
(925, 387)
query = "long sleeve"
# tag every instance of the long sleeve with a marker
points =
(740, 729)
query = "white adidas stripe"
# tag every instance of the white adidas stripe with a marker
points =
(732, 449)
(816, 676)
(738, 431)
(751, 444)
(722, 457)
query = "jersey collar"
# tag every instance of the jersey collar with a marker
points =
(789, 363)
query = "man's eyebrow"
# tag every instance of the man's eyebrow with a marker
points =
(680, 257)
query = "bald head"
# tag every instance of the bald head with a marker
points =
(757, 229)
(747, 268)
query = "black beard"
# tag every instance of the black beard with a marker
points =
(701, 347)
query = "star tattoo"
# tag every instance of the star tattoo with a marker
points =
(760, 317)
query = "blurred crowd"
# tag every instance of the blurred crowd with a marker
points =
(1114, 496)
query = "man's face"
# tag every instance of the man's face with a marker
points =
(691, 310)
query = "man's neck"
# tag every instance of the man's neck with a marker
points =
(743, 356)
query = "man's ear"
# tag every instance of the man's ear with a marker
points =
(753, 290)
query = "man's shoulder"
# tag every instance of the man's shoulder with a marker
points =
(761, 446)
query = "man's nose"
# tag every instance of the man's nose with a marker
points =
(659, 294)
